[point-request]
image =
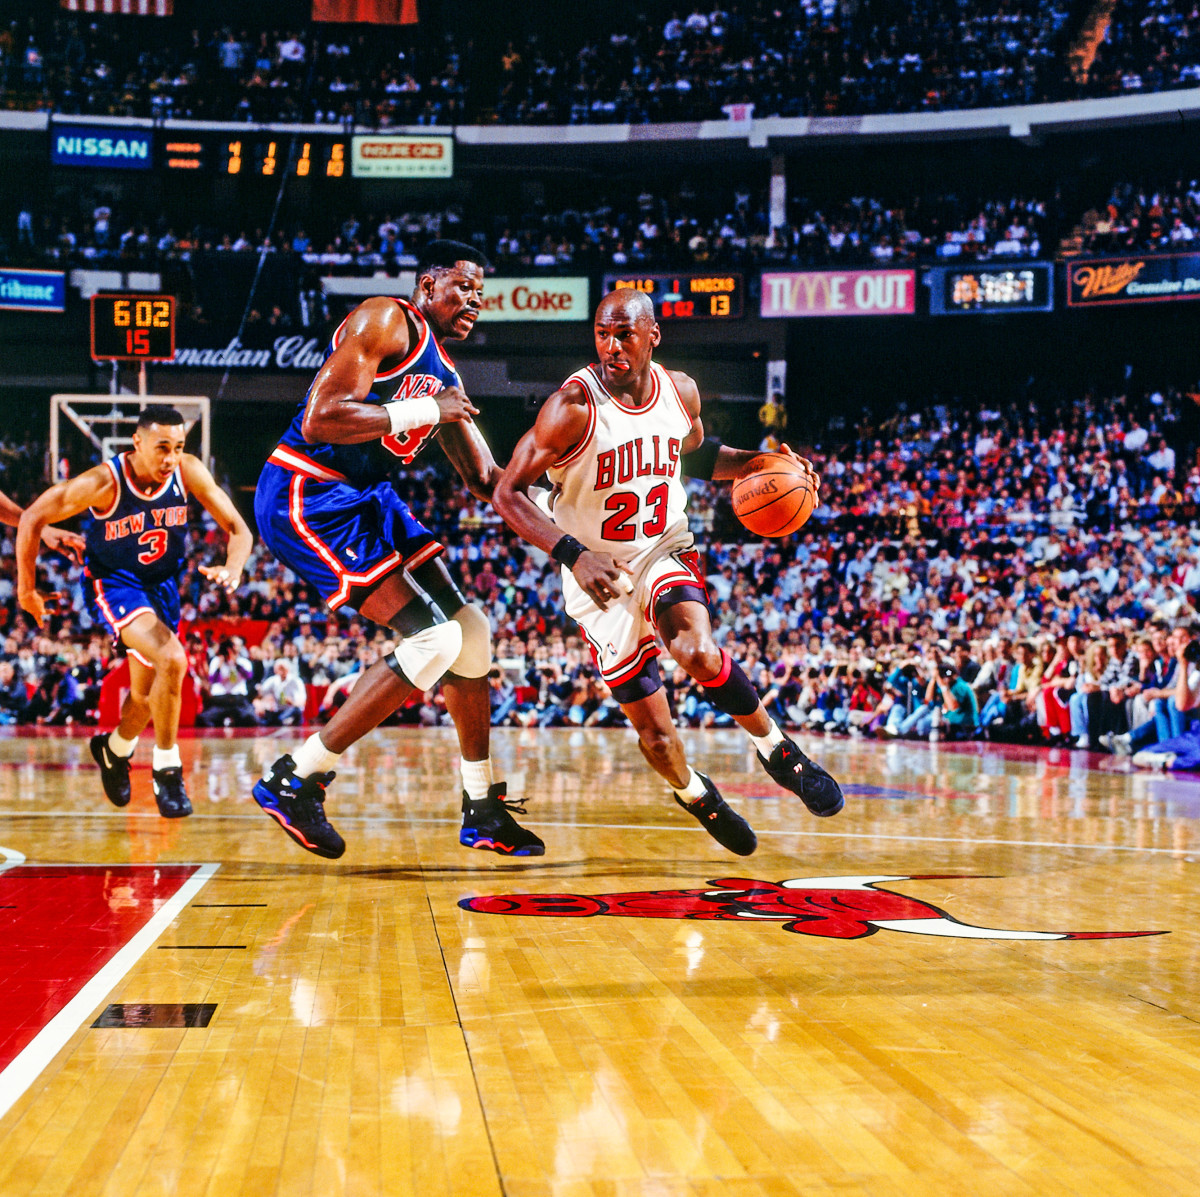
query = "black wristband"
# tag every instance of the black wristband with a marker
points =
(699, 463)
(568, 551)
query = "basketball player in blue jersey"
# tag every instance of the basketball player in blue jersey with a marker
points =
(134, 552)
(327, 509)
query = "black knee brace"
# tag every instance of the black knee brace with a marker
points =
(441, 589)
(731, 690)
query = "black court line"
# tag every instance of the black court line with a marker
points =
(201, 947)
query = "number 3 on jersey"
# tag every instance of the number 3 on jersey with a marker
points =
(157, 540)
(624, 506)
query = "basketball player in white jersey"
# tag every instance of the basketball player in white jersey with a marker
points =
(616, 439)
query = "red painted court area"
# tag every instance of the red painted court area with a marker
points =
(59, 926)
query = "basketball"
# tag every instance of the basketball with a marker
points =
(774, 495)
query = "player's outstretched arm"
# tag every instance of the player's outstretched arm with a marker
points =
(70, 544)
(471, 456)
(219, 505)
(560, 425)
(377, 331)
(710, 458)
(93, 488)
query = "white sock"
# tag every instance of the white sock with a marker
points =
(121, 747)
(476, 777)
(166, 758)
(314, 757)
(766, 744)
(695, 787)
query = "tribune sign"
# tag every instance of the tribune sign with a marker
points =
(1149, 278)
(32, 290)
(386, 156)
(839, 293)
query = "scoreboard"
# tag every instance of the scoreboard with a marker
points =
(713, 296)
(991, 287)
(256, 154)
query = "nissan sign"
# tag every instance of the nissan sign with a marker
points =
(111, 147)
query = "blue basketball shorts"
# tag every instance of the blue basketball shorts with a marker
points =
(118, 598)
(340, 538)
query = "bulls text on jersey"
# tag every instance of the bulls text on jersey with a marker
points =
(642, 457)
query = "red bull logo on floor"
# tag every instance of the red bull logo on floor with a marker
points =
(829, 907)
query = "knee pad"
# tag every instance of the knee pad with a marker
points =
(475, 659)
(423, 657)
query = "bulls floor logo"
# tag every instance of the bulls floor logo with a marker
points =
(831, 907)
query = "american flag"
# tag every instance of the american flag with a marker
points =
(128, 8)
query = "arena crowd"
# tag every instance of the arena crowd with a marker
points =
(800, 58)
(1011, 574)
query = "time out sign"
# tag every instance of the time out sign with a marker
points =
(839, 293)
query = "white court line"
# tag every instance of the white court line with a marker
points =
(836, 835)
(10, 858)
(50, 1040)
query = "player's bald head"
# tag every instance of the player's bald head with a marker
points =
(626, 304)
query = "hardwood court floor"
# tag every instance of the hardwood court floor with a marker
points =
(368, 1033)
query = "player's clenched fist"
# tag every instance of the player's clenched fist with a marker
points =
(455, 406)
(602, 577)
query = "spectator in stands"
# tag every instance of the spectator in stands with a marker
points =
(229, 677)
(13, 696)
(281, 697)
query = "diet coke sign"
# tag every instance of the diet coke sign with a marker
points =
(544, 298)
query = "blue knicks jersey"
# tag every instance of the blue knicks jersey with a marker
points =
(139, 534)
(425, 371)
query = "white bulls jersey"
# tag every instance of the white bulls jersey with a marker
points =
(621, 489)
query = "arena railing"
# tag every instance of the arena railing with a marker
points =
(1024, 122)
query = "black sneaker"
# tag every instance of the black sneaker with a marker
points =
(790, 768)
(720, 820)
(114, 770)
(488, 823)
(170, 794)
(298, 806)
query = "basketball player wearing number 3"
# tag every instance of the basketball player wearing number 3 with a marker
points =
(616, 440)
(135, 548)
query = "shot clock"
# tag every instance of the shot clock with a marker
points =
(133, 328)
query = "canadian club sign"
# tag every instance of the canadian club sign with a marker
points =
(292, 351)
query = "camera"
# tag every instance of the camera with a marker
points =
(1191, 654)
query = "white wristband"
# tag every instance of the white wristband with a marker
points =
(407, 414)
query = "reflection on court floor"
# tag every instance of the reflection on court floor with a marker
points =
(981, 976)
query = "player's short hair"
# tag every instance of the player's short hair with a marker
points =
(158, 413)
(445, 255)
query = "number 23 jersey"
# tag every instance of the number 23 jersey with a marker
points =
(619, 489)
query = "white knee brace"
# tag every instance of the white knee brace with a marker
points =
(475, 659)
(424, 656)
